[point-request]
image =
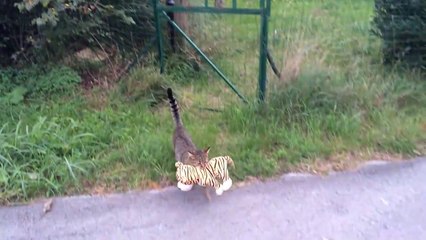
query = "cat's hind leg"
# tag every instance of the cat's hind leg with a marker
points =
(207, 192)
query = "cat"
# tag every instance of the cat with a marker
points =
(184, 149)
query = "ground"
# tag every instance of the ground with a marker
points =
(380, 200)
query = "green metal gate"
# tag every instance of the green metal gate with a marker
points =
(162, 11)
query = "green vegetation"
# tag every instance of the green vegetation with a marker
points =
(47, 30)
(334, 97)
(36, 81)
(402, 26)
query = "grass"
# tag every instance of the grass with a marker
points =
(334, 98)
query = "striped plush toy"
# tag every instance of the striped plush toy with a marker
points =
(214, 175)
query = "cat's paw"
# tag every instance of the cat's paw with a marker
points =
(184, 187)
(227, 185)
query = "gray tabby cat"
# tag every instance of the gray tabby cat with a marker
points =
(185, 149)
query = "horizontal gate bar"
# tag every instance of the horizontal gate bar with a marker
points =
(247, 11)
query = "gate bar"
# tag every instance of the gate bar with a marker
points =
(215, 68)
(158, 33)
(264, 4)
(247, 11)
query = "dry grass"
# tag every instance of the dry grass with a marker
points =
(342, 162)
(292, 66)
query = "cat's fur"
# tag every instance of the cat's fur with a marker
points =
(185, 150)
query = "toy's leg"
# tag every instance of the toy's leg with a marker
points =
(219, 190)
(227, 184)
(184, 187)
(207, 192)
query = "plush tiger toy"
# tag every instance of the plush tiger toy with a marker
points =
(219, 166)
(214, 175)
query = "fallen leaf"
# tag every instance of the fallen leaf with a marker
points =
(153, 185)
(48, 205)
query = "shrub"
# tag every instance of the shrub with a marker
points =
(45, 30)
(402, 26)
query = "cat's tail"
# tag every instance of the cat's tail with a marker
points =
(174, 107)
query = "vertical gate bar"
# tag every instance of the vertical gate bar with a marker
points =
(234, 4)
(206, 3)
(268, 7)
(171, 28)
(158, 35)
(263, 50)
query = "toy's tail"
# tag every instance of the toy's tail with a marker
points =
(174, 107)
(230, 161)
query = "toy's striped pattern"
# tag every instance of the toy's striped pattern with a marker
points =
(214, 175)
(188, 175)
(219, 166)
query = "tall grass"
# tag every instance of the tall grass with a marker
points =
(44, 158)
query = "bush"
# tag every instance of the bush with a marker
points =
(39, 31)
(402, 26)
(36, 82)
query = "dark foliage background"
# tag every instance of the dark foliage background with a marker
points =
(39, 31)
(402, 26)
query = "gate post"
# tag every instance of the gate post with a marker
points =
(263, 48)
